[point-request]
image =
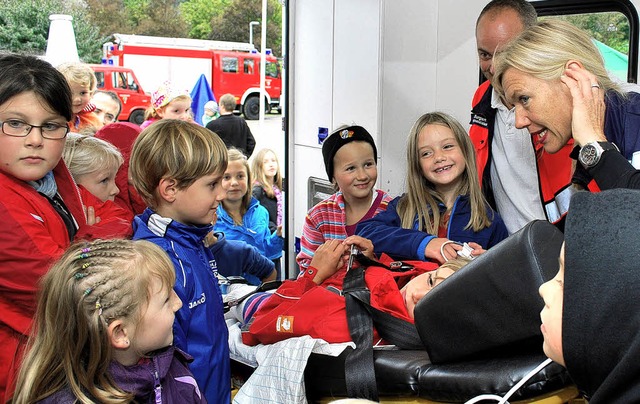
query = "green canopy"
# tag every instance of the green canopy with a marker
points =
(615, 62)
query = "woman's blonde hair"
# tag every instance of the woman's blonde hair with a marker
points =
(91, 285)
(80, 73)
(237, 155)
(544, 50)
(257, 170)
(418, 208)
(175, 149)
(87, 154)
(152, 113)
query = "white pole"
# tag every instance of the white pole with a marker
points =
(61, 43)
(263, 61)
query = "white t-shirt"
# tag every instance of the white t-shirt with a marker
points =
(514, 176)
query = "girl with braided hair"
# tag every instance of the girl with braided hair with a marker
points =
(103, 330)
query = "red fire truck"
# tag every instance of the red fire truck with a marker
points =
(230, 67)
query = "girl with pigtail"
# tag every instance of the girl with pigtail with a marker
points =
(103, 330)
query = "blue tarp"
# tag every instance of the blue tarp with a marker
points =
(200, 95)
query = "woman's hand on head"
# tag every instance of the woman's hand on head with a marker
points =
(328, 258)
(439, 246)
(364, 245)
(587, 119)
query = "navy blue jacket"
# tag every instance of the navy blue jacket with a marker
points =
(237, 258)
(387, 235)
(199, 328)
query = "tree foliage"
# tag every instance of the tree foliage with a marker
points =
(233, 24)
(612, 29)
(24, 27)
(24, 24)
(199, 13)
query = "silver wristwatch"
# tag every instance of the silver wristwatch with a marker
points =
(591, 153)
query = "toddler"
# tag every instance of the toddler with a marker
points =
(93, 164)
(82, 82)
(168, 102)
(210, 112)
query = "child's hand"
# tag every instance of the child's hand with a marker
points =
(279, 231)
(328, 259)
(477, 249)
(435, 250)
(365, 246)
(90, 215)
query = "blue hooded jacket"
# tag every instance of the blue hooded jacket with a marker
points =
(199, 328)
(254, 229)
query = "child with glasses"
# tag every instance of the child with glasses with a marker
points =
(40, 206)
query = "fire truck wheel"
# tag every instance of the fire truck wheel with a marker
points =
(137, 116)
(251, 108)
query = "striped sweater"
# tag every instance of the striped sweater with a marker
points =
(326, 221)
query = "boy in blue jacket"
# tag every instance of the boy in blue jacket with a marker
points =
(177, 169)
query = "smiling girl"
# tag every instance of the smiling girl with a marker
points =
(168, 102)
(443, 205)
(240, 215)
(350, 159)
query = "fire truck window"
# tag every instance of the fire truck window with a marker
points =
(248, 66)
(271, 70)
(230, 65)
(131, 83)
(100, 79)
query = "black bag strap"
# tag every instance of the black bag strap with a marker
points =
(361, 317)
(360, 376)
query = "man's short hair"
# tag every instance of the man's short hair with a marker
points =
(228, 101)
(524, 9)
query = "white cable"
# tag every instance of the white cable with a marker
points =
(442, 249)
(503, 400)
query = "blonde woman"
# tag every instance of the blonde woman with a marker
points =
(555, 78)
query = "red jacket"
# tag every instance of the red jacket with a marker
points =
(555, 171)
(115, 221)
(33, 235)
(122, 135)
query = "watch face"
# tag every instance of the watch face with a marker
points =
(589, 155)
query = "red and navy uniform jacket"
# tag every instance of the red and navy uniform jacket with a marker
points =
(555, 171)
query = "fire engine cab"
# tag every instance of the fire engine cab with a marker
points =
(230, 67)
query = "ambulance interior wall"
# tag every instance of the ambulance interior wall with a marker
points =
(379, 64)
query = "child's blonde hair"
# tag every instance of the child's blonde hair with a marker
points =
(87, 154)
(80, 73)
(237, 155)
(91, 285)
(257, 170)
(421, 200)
(175, 149)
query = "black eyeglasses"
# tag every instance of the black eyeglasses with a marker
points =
(17, 128)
